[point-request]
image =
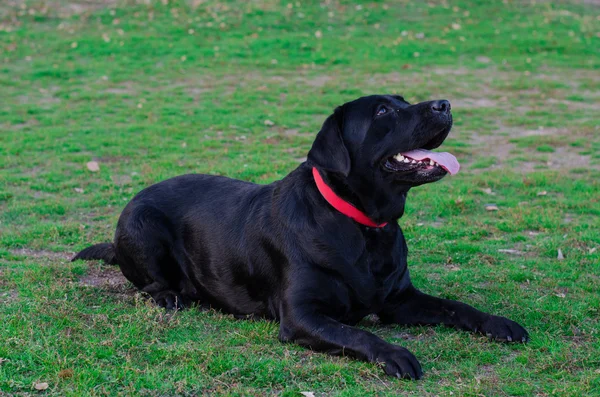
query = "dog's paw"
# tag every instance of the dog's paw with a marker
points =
(399, 362)
(503, 329)
(170, 300)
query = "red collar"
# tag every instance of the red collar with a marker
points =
(340, 204)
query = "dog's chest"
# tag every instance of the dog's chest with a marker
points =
(379, 269)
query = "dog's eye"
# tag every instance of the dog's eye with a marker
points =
(381, 111)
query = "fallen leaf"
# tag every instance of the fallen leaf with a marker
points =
(318, 34)
(560, 255)
(78, 190)
(269, 122)
(560, 295)
(592, 250)
(487, 190)
(3, 360)
(41, 386)
(93, 166)
(542, 193)
(491, 207)
(307, 393)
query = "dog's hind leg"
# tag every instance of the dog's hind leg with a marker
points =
(145, 242)
(164, 297)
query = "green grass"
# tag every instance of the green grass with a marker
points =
(155, 89)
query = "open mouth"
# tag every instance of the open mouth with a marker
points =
(423, 160)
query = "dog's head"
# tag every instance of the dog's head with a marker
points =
(382, 144)
(386, 136)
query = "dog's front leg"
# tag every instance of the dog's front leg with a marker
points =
(319, 332)
(413, 307)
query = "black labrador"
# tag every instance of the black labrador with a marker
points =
(316, 251)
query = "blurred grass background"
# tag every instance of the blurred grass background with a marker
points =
(153, 89)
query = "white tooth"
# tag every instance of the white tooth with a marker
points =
(399, 157)
(420, 162)
(436, 164)
(406, 160)
(431, 162)
(414, 161)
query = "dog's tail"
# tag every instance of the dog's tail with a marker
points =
(104, 251)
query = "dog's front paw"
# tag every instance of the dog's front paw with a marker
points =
(399, 362)
(503, 329)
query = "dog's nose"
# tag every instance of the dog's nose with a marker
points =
(441, 106)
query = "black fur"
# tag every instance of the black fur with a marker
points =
(280, 251)
(102, 251)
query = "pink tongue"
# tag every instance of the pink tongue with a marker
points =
(445, 160)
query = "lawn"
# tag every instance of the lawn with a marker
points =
(153, 89)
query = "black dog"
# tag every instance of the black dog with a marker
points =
(313, 250)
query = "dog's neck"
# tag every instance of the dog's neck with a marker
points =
(379, 204)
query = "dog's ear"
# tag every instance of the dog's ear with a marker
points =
(328, 150)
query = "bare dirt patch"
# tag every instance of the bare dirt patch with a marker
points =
(62, 8)
(107, 277)
(474, 103)
(575, 105)
(566, 157)
(120, 91)
(43, 254)
(19, 126)
(8, 296)
(315, 81)
(499, 145)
